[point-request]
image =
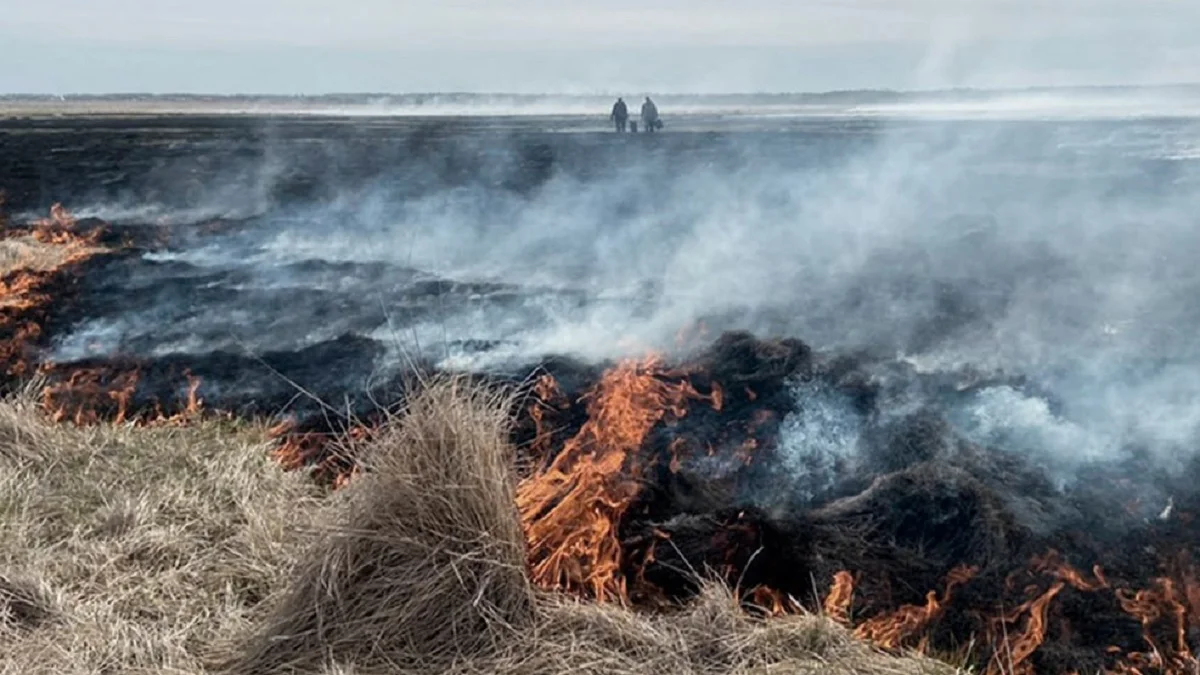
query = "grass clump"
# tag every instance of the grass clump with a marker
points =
(424, 562)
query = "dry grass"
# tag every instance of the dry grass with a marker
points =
(136, 550)
(425, 563)
(710, 637)
(26, 253)
(175, 549)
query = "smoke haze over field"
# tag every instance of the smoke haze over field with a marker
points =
(1058, 251)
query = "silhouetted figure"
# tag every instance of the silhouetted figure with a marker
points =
(650, 116)
(620, 114)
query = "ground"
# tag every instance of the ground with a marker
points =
(184, 548)
(179, 548)
(136, 549)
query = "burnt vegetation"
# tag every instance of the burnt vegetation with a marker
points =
(801, 480)
(642, 482)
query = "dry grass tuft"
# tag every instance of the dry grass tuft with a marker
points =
(26, 439)
(425, 565)
(129, 550)
(711, 636)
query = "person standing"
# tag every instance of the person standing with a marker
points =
(650, 116)
(620, 114)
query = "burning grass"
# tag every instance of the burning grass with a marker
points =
(423, 569)
(570, 510)
(174, 548)
(26, 252)
(435, 560)
(34, 262)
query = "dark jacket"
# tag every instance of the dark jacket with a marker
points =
(620, 111)
(649, 112)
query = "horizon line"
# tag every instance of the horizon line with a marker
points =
(829, 92)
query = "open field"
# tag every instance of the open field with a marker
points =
(935, 380)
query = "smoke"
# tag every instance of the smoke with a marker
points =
(815, 441)
(1061, 251)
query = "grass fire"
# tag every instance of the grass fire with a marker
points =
(638, 490)
(222, 456)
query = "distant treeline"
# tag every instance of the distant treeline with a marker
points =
(858, 96)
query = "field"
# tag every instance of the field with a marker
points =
(479, 394)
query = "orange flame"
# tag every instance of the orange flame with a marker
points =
(91, 395)
(13, 350)
(1053, 564)
(717, 397)
(893, 629)
(80, 398)
(294, 449)
(1150, 606)
(194, 403)
(571, 509)
(772, 601)
(676, 461)
(60, 229)
(546, 393)
(321, 453)
(25, 293)
(841, 594)
(59, 217)
(1019, 649)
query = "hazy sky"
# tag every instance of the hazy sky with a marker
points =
(317, 46)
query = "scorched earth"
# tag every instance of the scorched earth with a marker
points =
(935, 379)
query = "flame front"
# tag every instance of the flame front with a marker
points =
(26, 290)
(571, 509)
(894, 629)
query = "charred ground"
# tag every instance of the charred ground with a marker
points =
(183, 162)
(913, 507)
(801, 476)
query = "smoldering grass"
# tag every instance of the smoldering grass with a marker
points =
(421, 569)
(187, 550)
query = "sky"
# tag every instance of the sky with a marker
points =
(589, 46)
